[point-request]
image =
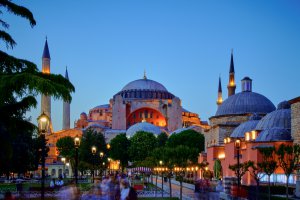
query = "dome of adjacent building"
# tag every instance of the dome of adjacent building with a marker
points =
(144, 84)
(143, 126)
(245, 102)
(280, 118)
(239, 132)
(274, 134)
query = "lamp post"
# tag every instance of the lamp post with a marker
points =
(43, 125)
(94, 150)
(237, 145)
(76, 144)
(109, 167)
(101, 154)
(63, 159)
(162, 178)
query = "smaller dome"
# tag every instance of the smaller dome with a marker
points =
(279, 118)
(83, 116)
(283, 105)
(274, 134)
(239, 132)
(143, 126)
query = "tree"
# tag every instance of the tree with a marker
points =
(66, 148)
(256, 172)
(89, 139)
(288, 157)
(162, 139)
(119, 149)
(240, 170)
(217, 169)
(188, 138)
(183, 153)
(22, 82)
(268, 164)
(141, 145)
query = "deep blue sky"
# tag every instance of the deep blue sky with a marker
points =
(182, 44)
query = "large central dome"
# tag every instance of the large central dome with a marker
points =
(144, 84)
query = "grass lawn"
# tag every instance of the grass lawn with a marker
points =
(166, 198)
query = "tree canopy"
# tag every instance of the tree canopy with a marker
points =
(119, 149)
(22, 82)
(188, 138)
(141, 145)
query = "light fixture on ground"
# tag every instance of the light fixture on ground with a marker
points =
(237, 145)
(94, 150)
(76, 144)
(43, 126)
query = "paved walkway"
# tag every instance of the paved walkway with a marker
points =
(187, 191)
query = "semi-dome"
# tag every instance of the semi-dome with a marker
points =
(239, 132)
(143, 126)
(144, 84)
(280, 118)
(274, 134)
(245, 102)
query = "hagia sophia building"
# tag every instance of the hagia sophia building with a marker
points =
(141, 105)
(146, 105)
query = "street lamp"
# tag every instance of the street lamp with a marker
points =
(76, 144)
(63, 159)
(108, 146)
(162, 179)
(94, 150)
(109, 167)
(237, 145)
(43, 125)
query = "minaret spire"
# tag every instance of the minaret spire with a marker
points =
(145, 77)
(46, 100)
(220, 99)
(231, 84)
(66, 109)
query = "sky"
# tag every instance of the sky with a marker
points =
(183, 44)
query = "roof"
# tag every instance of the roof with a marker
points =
(239, 132)
(46, 53)
(220, 85)
(143, 126)
(102, 106)
(244, 103)
(295, 100)
(144, 84)
(231, 70)
(280, 118)
(274, 134)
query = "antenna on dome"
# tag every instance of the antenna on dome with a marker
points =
(145, 77)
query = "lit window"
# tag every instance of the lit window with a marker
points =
(247, 136)
(253, 133)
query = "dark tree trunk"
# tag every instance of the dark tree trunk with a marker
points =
(156, 184)
(287, 187)
(257, 190)
(180, 189)
(269, 185)
(170, 185)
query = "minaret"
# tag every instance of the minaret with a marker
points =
(231, 84)
(46, 100)
(220, 99)
(66, 109)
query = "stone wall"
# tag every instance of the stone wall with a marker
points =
(119, 113)
(174, 114)
(296, 122)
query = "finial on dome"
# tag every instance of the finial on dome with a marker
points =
(145, 77)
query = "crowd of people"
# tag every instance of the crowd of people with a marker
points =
(111, 187)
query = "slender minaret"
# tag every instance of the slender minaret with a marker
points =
(220, 99)
(66, 109)
(46, 100)
(231, 85)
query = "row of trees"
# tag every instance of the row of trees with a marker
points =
(20, 83)
(287, 157)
